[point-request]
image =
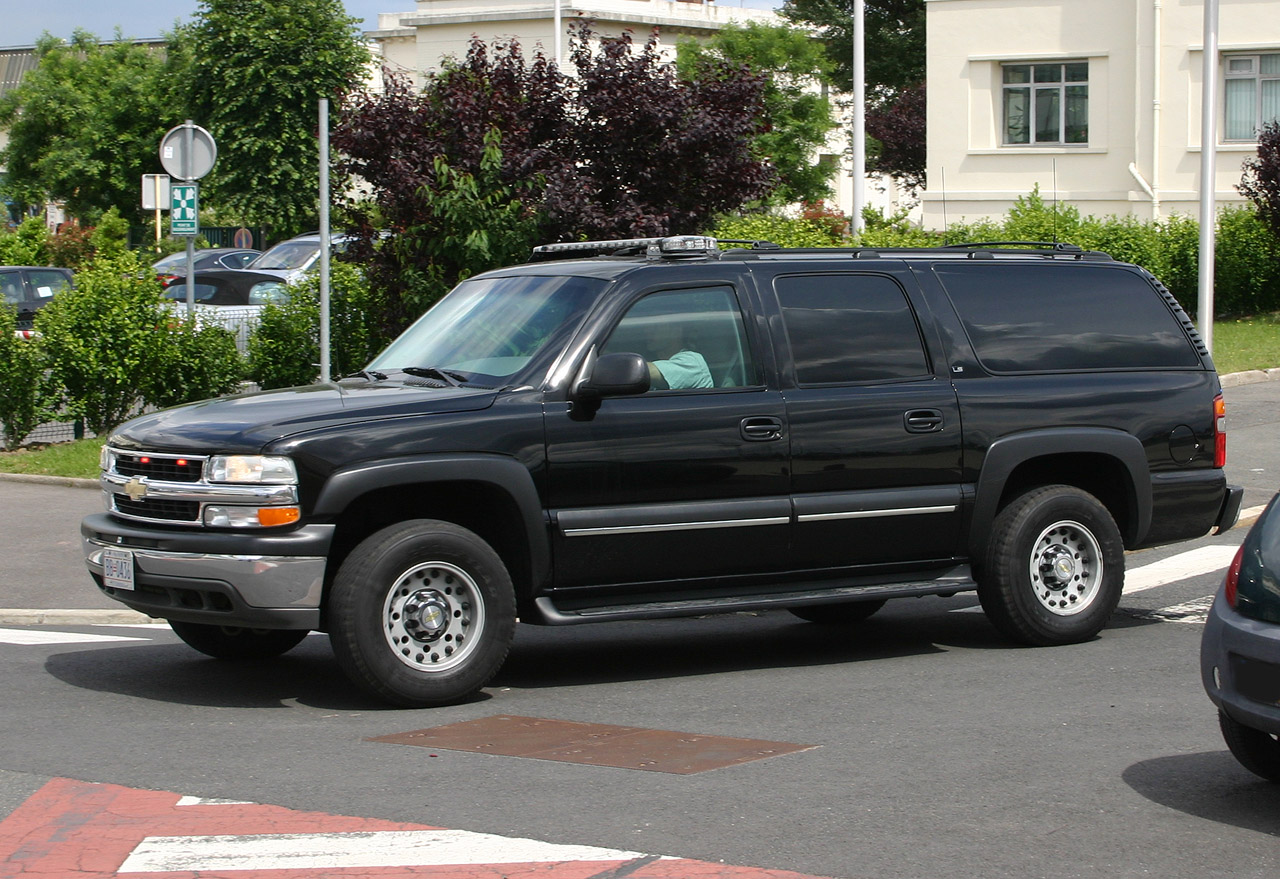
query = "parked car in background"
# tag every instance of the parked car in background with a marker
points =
(221, 287)
(173, 266)
(29, 287)
(229, 298)
(291, 259)
(1240, 649)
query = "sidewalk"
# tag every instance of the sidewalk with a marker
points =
(43, 579)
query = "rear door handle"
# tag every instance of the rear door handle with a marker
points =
(760, 428)
(923, 420)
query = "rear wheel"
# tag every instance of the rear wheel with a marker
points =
(843, 614)
(237, 642)
(422, 613)
(1257, 751)
(1054, 567)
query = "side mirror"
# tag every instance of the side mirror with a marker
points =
(615, 375)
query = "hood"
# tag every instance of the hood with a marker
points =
(248, 422)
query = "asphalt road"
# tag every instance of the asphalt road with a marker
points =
(938, 750)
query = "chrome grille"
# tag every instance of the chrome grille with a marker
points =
(168, 468)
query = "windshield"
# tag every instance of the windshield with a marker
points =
(490, 329)
(287, 255)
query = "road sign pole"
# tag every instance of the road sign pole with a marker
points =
(188, 141)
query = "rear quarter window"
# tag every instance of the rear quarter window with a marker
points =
(1065, 317)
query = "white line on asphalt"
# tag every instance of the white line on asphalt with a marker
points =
(1202, 560)
(329, 851)
(26, 636)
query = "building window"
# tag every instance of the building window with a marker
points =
(1046, 104)
(1253, 94)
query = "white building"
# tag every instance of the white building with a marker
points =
(1095, 101)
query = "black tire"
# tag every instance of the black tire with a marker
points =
(844, 614)
(1054, 567)
(237, 642)
(422, 613)
(1257, 751)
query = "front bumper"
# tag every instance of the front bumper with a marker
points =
(1240, 666)
(267, 581)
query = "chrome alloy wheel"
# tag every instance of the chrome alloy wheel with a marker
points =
(1066, 568)
(433, 617)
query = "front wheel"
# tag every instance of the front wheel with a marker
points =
(1054, 567)
(422, 613)
(1257, 751)
(237, 642)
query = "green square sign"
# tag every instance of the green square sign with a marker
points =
(184, 216)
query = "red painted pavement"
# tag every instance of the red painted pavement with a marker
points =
(79, 830)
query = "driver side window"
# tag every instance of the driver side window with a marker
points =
(691, 339)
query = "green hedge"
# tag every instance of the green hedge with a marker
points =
(1246, 264)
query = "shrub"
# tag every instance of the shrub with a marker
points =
(284, 350)
(25, 246)
(21, 369)
(783, 231)
(1245, 275)
(195, 363)
(102, 340)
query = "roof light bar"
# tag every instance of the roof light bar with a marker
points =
(672, 245)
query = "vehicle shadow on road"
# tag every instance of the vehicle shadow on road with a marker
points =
(1210, 785)
(688, 647)
(174, 673)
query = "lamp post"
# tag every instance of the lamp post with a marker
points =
(859, 133)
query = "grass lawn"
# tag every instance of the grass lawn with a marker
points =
(1238, 345)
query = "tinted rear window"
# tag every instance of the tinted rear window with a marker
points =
(850, 328)
(1055, 317)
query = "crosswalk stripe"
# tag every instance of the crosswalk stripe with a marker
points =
(331, 851)
(1193, 563)
(30, 636)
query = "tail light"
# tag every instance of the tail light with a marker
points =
(1233, 576)
(1219, 431)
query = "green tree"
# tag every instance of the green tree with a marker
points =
(894, 65)
(254, 71)
(85, 124)
(894, 41)
(797, 114)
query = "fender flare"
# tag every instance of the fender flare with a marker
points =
(1008, 453)
(506, 474)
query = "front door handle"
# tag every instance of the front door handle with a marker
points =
(923, 420)
(760, 428)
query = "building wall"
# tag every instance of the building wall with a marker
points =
(1144, 79)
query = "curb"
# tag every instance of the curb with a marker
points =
(65, 481)
(34, 617)
(1249, 377)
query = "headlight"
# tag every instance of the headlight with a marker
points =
(254, 469)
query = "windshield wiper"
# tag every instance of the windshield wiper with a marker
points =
(369, 375)
(449, 377)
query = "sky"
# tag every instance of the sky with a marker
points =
(23, 21)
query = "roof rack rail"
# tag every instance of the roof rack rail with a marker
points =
(1042, 245)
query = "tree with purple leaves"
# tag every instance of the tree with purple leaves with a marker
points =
(1261, 182)
(497, 153)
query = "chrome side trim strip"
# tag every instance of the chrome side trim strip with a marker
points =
(674, 526)
(873, 514)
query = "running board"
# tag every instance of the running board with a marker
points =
(955, 580)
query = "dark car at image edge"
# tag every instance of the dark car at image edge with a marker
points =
(1240, 649)
(678, 427)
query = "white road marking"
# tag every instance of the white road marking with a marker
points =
(29, 636)
(1194, 611)
(1202, 560)
(211, 801)
(330, 851)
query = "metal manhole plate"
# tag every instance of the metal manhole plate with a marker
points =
(595, 744)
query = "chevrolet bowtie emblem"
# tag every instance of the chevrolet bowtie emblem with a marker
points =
(136, 488)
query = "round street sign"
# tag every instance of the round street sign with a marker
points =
(188, 152)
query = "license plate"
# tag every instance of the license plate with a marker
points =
(117, 569)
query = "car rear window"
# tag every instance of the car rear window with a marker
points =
(1058, 317)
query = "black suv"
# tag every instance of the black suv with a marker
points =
(668, 427)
